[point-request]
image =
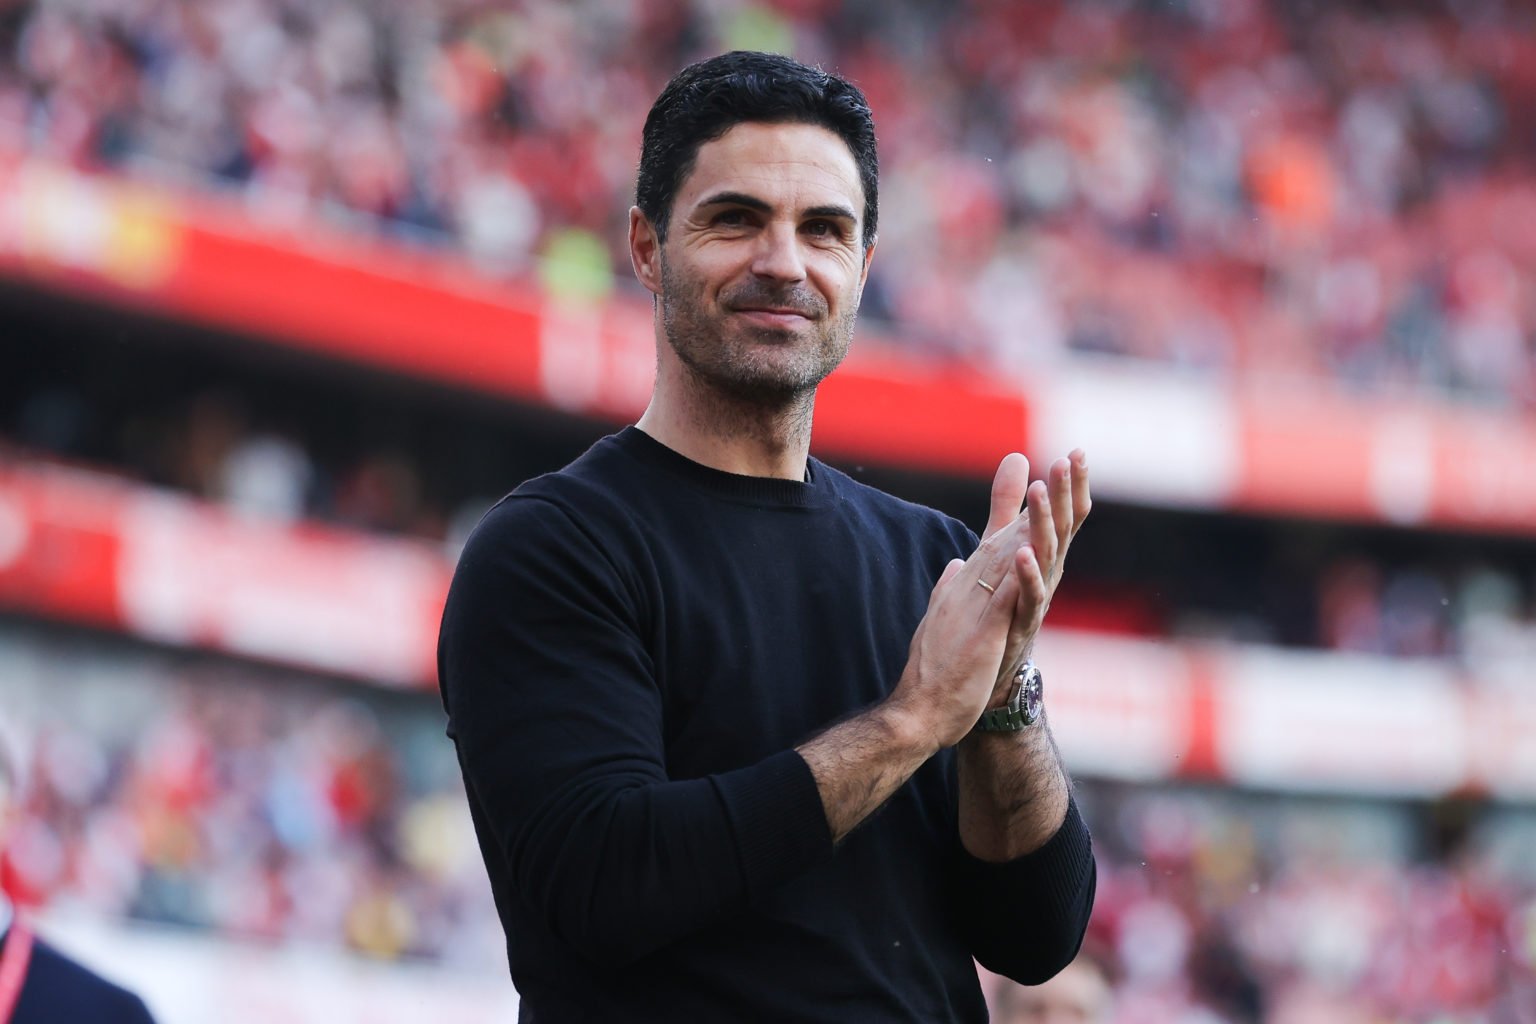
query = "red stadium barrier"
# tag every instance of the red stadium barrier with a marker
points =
(1295, 448)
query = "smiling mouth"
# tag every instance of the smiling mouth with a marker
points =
(781, 317)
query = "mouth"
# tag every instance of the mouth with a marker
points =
(774, 316)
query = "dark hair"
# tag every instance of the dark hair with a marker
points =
(707, 99)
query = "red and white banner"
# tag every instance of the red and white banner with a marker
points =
(90, 549)
(1291, 448)
(103, 552)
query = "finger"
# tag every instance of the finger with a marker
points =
(1008, 488)
(1028, 597)
(990, 563)
(951, 570)
(1034, 593)
(1060, 482)
(1042, 526)
(1005, 598)
(1081, 502)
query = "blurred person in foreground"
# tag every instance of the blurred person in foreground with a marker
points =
(39, 984)
(1080, 994)
(685, 672)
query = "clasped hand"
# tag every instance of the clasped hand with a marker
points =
(985, 611)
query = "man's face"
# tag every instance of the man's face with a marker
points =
(763, 264)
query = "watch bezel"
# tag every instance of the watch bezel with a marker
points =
(1031, 694)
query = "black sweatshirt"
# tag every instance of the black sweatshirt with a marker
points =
(630, 652)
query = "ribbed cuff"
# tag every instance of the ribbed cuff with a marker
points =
(777, 818)
(1056, 872)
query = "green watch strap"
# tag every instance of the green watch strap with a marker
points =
(1003, 719)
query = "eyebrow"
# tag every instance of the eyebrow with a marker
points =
(752, 202)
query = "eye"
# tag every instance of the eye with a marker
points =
(732, 218)
(824, 230)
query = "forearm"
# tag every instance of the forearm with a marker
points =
(622, 869)
(1026, 918)
(623, 864)
(1013, 792)
(951, 665)
(1028, 856)
(858, 764)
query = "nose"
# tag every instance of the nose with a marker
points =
(778, 254)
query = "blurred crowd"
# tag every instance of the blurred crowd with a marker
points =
(1290, 186)
(269, 808)
(211, 447)
(1466, 608)
(1481, 614)
(262, 442)
(1224, 909)
(334, 460)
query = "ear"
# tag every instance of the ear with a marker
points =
(869, 254)
(644, 250)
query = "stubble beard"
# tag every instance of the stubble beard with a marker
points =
(742, 363)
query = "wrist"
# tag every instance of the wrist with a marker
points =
(908, 728)
(1003, 687)
(1023, 706)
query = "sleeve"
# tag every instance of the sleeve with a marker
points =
(134, 1011)
(1025, 919)
(554, 707)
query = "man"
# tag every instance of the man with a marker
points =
(38, 984)
(1080, 994)
(684, 673)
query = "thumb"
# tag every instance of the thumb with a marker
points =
(1008, 489)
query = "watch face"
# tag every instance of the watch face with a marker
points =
(1032, 696)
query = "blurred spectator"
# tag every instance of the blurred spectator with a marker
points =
(38, 983)
(267, 477)
(1080, 994)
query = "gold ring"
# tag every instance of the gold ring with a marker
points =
(984, 585)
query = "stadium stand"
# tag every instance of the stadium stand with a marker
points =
(293, 292)
(1279, 187)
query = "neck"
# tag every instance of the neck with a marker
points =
(728, 432)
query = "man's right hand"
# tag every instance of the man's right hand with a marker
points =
(965, 648)
(958, 664)
(953, 662)
(950, 669)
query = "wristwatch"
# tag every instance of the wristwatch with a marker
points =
(1025, 703)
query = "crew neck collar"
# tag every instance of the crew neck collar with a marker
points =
(812, 492)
